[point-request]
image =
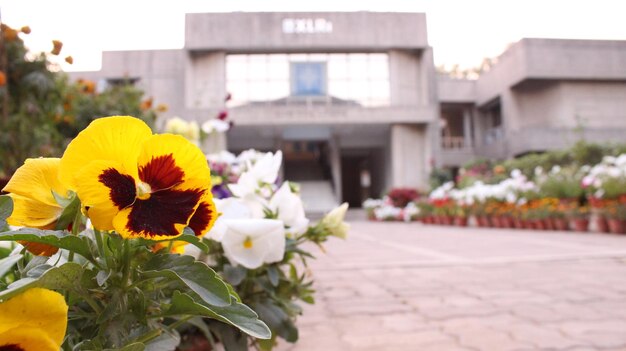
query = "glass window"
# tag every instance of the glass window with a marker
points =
(361, 78)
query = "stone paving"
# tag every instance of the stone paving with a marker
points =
(407, 286)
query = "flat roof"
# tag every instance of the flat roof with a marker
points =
(309, 31)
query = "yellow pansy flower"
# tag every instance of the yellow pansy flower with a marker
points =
(35, 320)
(139, 184)
(31, 189)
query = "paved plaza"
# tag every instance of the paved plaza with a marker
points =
(408, 286)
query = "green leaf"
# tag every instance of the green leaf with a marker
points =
(272, 274)
(63, 277)
(6, 264)
(268, 344)
(136, 346)
(165, 342)
(188, 236)
(6, 208)
(196, 275)
(71, 208)
(234, 274)
(80, 244)
(277, 319)
(237, 314)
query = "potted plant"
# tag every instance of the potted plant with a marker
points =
(579, 218)
(616, 218)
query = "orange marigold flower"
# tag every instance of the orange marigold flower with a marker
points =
(9, 34)
(146, 104)
(162, 108)
(57, 45)
(3, 79)
(25, 30)
(69, 60)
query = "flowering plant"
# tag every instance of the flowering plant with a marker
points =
(105, 225)
(259, 245)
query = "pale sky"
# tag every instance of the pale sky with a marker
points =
(460, 31)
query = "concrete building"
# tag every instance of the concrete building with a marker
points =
(354, 101)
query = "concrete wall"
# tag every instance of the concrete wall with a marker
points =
(409, 156)
(263, 31)
(205, 86)
(450, 90)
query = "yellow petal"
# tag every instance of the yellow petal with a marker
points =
(37, 179)
(36, 308)
(28, 339)
(28, 212)
(117, 138)
(168, 160)
(104, 188)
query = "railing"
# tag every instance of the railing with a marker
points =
(453, 142)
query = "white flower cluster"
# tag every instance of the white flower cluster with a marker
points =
(248, 237)
(508, 190)
(191, 130)
(384, 210)
(610, 168)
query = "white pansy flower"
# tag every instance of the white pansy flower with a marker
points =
(266, 168)
(229, 208)
(253, 242)
(222, 157)
(215, 126)
(516, 173)
(289, 208)
(246, 185)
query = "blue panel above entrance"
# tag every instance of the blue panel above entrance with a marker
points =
(308, 78)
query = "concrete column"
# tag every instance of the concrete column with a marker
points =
(409, 156)
(467, 128)
(205, 82)
(335, 165)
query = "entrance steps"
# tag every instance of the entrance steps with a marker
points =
(318, 197)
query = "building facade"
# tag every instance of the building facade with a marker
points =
(355, 103)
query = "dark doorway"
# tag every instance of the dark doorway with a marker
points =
(306, 160)
(355, 180)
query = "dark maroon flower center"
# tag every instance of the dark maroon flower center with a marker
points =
(11, 347)
(158, 214)
(122, 187)
(161, 173)
(201, 218)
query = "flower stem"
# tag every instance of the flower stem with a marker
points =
(126, 264)
(156, 332)
(100, 243)
(75, 230)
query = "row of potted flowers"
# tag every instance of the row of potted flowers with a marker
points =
(560, 199)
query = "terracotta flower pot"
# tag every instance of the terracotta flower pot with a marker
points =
(602, 225)
(446, 220)
(617, 226)
(547, 222)
(495, 221)
(539, 224)
(482, 221)
(560, 224)
(580, 224)
(506, 222)
(460, 221)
